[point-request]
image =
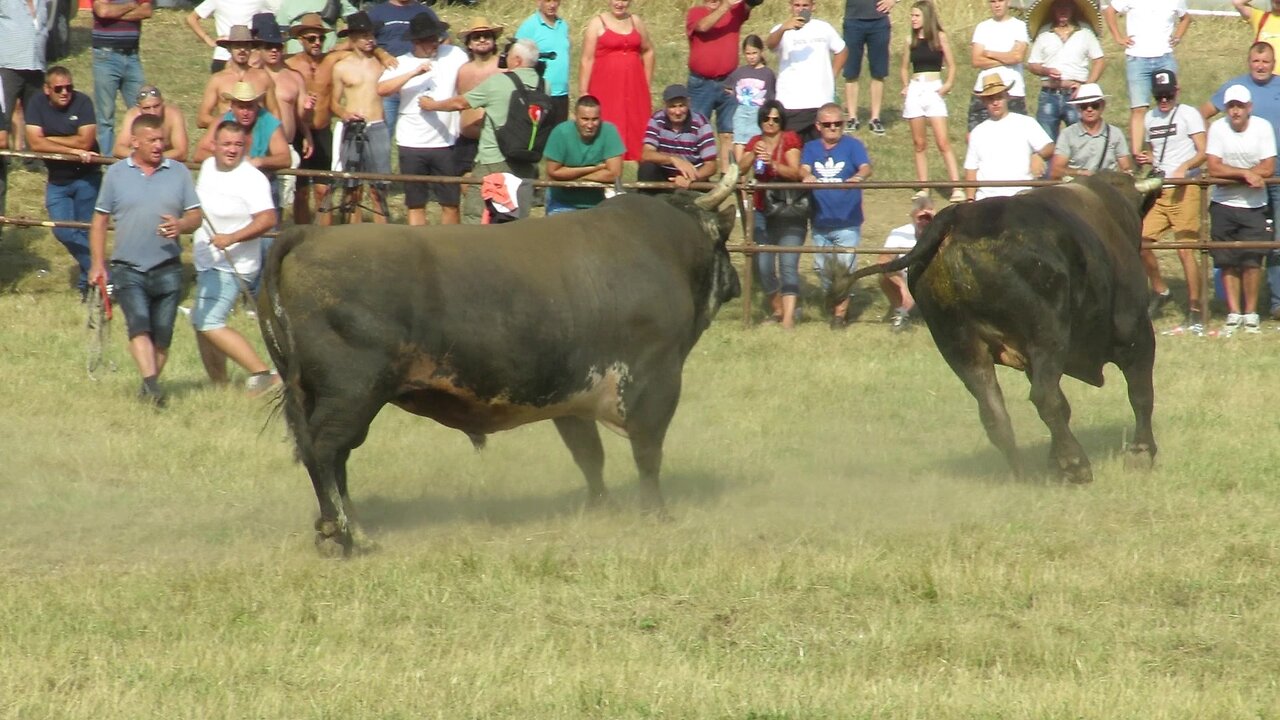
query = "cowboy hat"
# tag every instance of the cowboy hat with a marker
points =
(244, 92)
(266, 30)
(426, 26)
(479, 24)
(357, 22)
(1087, 93)
(237, 35)
(1040, 13)
(309, 22)
(992, 84)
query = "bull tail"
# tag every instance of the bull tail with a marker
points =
(922, 254)
(278, 337)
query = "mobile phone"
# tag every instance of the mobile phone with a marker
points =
(805, 14)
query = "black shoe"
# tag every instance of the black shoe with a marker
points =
(1158, 300)
(155, 397)
(839, 322)
(851, 126)
(876, 126)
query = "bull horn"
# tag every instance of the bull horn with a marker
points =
(1147, 185)
(712, 198)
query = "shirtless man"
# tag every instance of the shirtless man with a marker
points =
(316, 69)
(480, 39)
(239, 42)
(151, 102)
(364, 140)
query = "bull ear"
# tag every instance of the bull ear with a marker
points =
(724, 189)
(1147, 185)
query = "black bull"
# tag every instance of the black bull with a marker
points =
(580, 318)
(1049, 282)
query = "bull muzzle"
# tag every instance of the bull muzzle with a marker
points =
(1147, 185)
(722, 193)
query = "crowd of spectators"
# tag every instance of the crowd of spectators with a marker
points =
(323, 85)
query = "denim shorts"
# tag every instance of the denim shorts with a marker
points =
(873, 35)
(149, 299)
(1138, 72)
(215, 296)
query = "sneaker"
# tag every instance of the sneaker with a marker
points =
(155, 398)
(958, 196)
(1195, 328)
(261, 382)
(851, 126)
(920, 195)
(1251, 324)
(901, 321)
(1158, 300)
(186, 311)
(876, 126)
(1233, 323)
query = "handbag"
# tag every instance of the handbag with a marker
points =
(789, 204)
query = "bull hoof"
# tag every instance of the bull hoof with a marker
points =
(1139, 457)
(331, 541)
(1075, 470)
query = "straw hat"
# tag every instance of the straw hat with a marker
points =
(1040, 13)
(244, 92)
(479, 24)
(237, 35)
(992, 84)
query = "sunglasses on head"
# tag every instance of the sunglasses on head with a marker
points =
(149, 92)
(62, 88)
(833, 124)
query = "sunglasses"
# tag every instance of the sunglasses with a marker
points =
(1091, 106)
(1164, 98)
(481, 36)
(829, 125)
(773, 118)
(149, 92)
(62, 88)
(312, 38)
(268, 46)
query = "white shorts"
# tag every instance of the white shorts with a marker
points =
(923, 100)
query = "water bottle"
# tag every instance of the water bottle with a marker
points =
(760, 165)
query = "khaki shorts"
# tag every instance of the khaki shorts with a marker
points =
(1177, 210)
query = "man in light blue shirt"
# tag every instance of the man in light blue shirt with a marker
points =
(551, 33)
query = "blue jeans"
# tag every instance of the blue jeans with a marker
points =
(113, 71)
(847, 237)
(708, 94)
(1053, 112)
(74, 201)
(554, 207)
(1273, 257)
(1138, 72)
(391, 111)
(779, 272)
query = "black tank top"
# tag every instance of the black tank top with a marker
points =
(925, 59)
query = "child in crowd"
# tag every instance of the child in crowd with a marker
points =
(750, 85)
(925, 91)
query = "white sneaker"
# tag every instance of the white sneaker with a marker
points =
(1251, 324)
(186, 311)
(958, 196)
(920, 195)
(1234, 320)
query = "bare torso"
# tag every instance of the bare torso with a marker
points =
(291, 89)
(222, 82)
(355, 86)
(470, 75)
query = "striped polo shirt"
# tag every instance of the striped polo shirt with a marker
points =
(695, 142)
(119, 34)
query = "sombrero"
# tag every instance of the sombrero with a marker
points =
(1037, 15)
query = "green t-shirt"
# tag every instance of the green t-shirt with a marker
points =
(566, 147)
(494, 96)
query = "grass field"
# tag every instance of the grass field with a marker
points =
(844, 541)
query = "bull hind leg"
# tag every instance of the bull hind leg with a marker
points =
(334, 428)
(971, 361)
(653, 404)
(583, 440)
(1137, 366)
(1066, 455)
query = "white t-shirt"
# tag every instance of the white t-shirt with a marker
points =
(229, 200)
(1072, 58)
(417, 128)
(1169, 135)
(1001, 150)
(1001, 37)
(1241, 150)
(903, 236)
(1150, 23)
(805, 79)
(227, 13)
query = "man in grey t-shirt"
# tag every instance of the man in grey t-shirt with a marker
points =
(1085, 147)
(153, 201)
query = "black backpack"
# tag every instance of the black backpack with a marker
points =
(524, 135)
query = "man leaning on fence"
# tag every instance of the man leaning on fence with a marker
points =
(153, 202)
(235, 198)
(1090, 145)
(679, 144)
(1175, 142)
(584, 149)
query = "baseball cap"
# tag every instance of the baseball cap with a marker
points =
(675, 91)
(1237, 94)
(1164, 83)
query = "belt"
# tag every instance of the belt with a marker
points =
(927, 76)
(1055, 91)
(122, 51)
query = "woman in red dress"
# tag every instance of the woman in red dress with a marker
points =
(617, 65)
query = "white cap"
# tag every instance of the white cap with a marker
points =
(1086, 93)
(1237, 93)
